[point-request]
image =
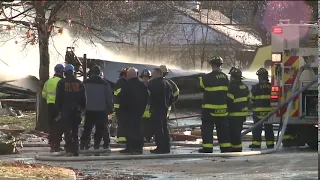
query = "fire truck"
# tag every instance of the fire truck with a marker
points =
(294, 46)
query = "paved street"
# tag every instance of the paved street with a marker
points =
(287, 164)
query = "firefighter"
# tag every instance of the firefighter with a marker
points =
(260, 97)
(99, 106)
(214, 108)
(238, 100)
(119, 115)
(49, 93)
(174, 86)
(133, 99)
(71, 102)
(161, 98)
(147, 126)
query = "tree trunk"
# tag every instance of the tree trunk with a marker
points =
(42, 120)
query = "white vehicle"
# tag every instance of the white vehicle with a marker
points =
(293, 46)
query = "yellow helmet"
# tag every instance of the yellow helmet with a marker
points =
(163, 68)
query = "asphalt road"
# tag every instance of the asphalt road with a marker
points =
(288, 164)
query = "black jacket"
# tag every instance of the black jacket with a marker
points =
(260, 97)
(70, 95)
(133, 98)
(116, 90)
(215, 86)
(238, 99)
(175, 90)
(99, 95)
(161, 94)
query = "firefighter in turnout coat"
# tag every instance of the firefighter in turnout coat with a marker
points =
(238, 100)
(260, 97)
(214, 108)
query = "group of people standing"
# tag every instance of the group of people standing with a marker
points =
(226, 106)
(141, 104)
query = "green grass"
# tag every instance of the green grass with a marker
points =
(28, 121)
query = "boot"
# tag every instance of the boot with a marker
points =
(159, 151)
(252, 146)
(270, 146)
(205, 150)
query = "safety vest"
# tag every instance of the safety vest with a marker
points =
(260, 98)
(49, 89)
(215, 86)
(238, 99)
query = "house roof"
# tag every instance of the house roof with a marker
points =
(215, 17)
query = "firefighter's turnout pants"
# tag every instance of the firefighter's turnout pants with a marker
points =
(208, 123)
(147, 125)
(268, 129)
(235, 128)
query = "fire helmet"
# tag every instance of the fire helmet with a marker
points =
(235, 72)
(216, 60)
(262, 72)
(145, 72)
(123, 72)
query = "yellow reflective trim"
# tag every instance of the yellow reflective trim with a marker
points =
(236, 146)
(116, 105)
(207, 145)
(225, 144)
(121, 139)
(201, 82)
(211, 106)
(176, 93)
(268, 143)
(239, 114)
(242, 86)
(218, 88)
(231, 96)
(147, 113)
(117, 91)
(241, 99)
(219, 115)
(256, 143)
(263, 109)
(262, 97)
(286, 137)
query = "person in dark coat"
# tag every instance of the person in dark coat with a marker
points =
(133, 99)
(120, 114)
(160, 99)
(99, 106)
(70, 102)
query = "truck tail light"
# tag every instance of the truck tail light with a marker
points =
(274, 97)
(276, 30)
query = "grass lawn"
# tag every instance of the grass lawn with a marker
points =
(28, 121)
(21, 170)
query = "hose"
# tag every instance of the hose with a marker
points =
(199, 155)
(196, 155)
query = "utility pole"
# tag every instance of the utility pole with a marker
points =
(146, 50)
(139, 37)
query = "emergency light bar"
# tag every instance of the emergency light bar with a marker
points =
(276, 30)
(276, 57)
